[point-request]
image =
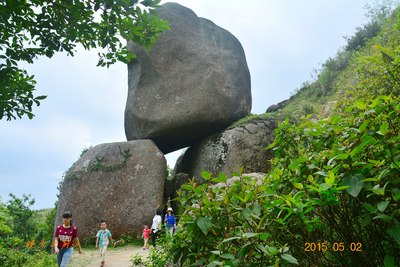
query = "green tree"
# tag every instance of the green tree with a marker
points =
(21, 216)
(5, 229)
(33, 28)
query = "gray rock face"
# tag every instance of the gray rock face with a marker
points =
(276, 107)
(227, 151)
(121, 183)
(192, 83)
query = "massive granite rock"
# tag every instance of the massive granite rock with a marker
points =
(192, 83)
(229, 150)
(121, 183)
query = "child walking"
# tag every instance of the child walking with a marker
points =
(146, 234)
(103, 238)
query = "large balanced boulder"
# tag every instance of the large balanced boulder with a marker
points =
(228, 151)
(120, 182)
(192, 83)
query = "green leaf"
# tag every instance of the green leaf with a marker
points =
(384, 128)
(297, 162)
(261, 248)
(298, 185)
(187, 187)
(289, 258)
(204, 224)
(215, 263)
(272, 250)
(264, 236)
(340, 188)
(322, 173)
(330, 179)
(231, 238)
(394, 232)
(360, 104)
(366, 219)
(378, 190)
(220, 179)
(363, 126)
(206, 175)
(389, 261)
(364, 143)
(257, 209)
(250, 235)
(246, 213)
(355, 183)
(337, 157)
(216, 252)
(396, 194)
(383, 217)
(382, 205)
(227, 256)
(369, 207)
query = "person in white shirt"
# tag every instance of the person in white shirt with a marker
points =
(156, 226)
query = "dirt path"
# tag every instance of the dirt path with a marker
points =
(115, 257)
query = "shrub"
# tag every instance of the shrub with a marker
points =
(227, 225)
(339, 180)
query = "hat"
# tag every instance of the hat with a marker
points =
(170, 209)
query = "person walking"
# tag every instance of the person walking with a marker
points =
(146, 234)
(103, 238)
(170, 222)
(65, 235)
(156, 226)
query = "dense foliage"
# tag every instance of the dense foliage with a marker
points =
(24, 240)
(40, 28)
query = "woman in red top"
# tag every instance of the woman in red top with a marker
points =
(64, 237)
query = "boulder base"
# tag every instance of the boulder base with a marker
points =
(121, 183)
(229, 150)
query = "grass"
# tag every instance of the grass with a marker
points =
(42, 214)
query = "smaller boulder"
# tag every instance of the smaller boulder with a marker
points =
(229, 150)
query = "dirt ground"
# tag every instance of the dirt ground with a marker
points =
(115, 257)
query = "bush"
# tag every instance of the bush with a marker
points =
(23, 241)
(339, 180)
(227, 225)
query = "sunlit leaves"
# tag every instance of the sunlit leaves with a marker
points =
(42, 28)
(229, 223)
(344, 164)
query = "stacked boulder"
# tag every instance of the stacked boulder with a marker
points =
(193, 83)
(185, 91)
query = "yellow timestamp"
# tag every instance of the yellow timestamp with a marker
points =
(335, 246)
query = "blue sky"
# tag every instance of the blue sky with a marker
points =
(284, 41)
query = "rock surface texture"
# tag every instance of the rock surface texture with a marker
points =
(227, 151)
(121, 183)
(192, 83)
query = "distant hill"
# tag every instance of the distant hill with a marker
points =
(340, 78)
